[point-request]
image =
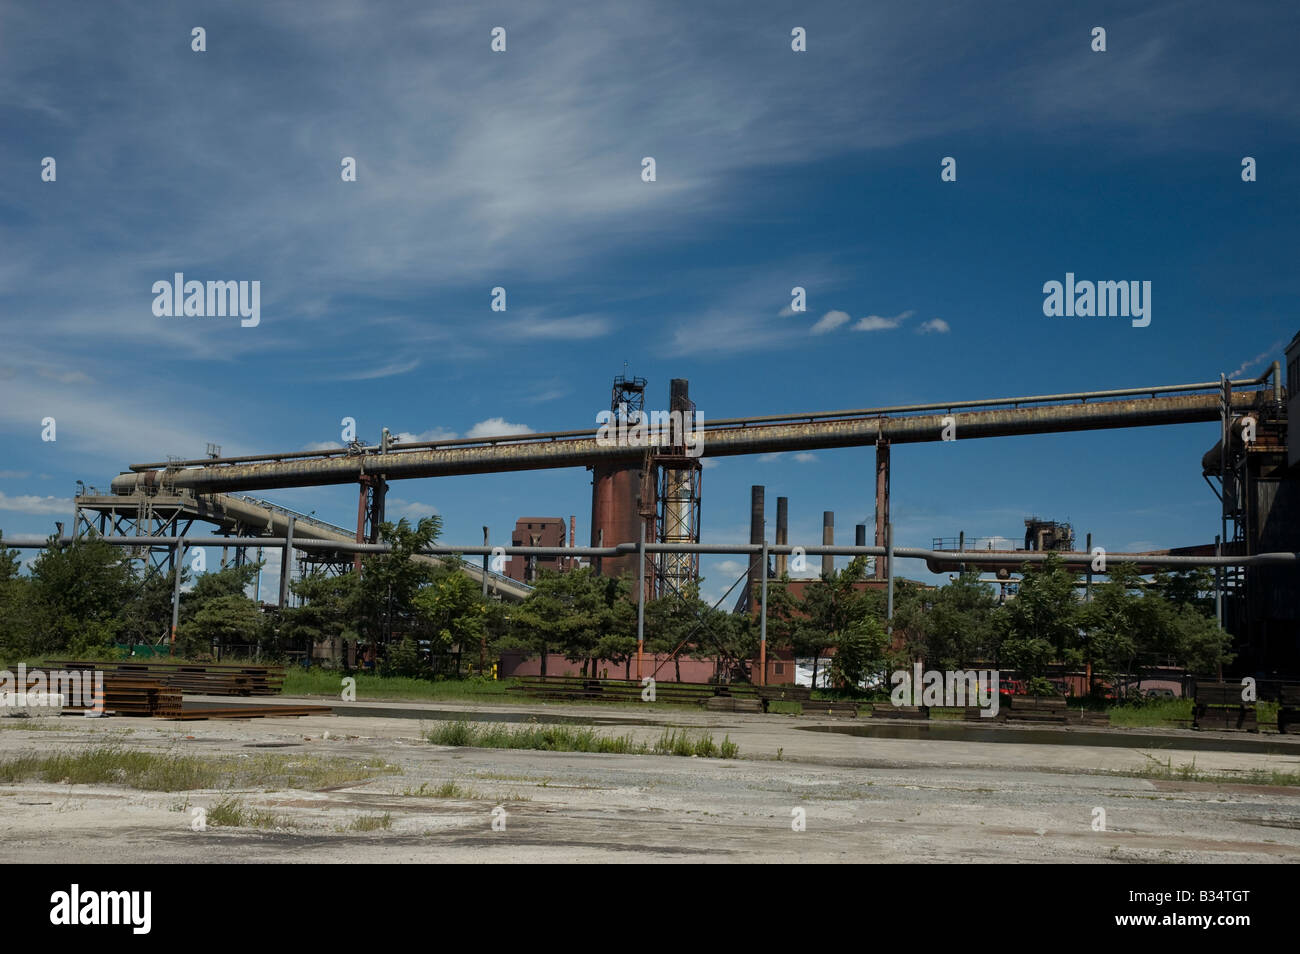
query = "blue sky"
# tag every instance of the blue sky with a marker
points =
(522, 169)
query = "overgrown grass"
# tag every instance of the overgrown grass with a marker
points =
(563, 738)
(1153, 714)
(233, 813)
(372, 822)
(445, 790)
(36, 725)
(329, 683)
(171, 772)
(1187, 772)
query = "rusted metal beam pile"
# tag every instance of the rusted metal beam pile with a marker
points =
(196, 678)
(120, 695)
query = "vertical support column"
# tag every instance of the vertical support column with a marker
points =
(762, 622)
(482, 642)
(828, 539)
(286, 565)
(757, 534)
(640, 601)
(1218, 581)
(1225, 433)
(782, 532)
(882, 502)
(362, 508)
(889, 567)
(1087, 586)
(178, 560)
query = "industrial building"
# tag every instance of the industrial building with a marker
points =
(537, 532)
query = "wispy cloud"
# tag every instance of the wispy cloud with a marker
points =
(878, 323)
(573, 328)
(35, 505)
(934, 326)
(387, 371)
(396, 508)
(829, 322)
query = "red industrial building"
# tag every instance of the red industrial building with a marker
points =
(536, 532)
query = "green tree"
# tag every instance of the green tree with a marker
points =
(78, 595)
(328, 609)
(830, 608)
(959, 626)
(860, 653)
(390, 581)
(452, 610)
(1042, 622)
(1125, 626)
(217, 612)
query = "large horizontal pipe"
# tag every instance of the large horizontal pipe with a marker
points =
(1071, 558)
(719, 442)
(728, 422)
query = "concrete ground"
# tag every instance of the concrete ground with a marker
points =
(962, 797)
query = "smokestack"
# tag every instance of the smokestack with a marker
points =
(782, 529)
(828, 539)
(756, 510)
(573, 538)
(860, 535)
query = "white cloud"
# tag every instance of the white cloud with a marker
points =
(497, 427)
(396, 507)
(829, 322)
(387, 371)
(15, 474)
(805, 458)
(730, 568)
(877, 323)
(768, 458)
(575, 328)
(434, 434)
(934, 325)
(708, 463)
(31, 504)
(322, 446)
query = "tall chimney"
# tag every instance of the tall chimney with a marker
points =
(828, 539)
(782, 530)
(860, 535)
(756, 510)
